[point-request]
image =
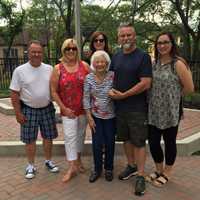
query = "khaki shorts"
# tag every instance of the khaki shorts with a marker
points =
(132, 127)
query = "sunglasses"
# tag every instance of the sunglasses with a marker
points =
(70, 48)
(99, 40)
(163, 42)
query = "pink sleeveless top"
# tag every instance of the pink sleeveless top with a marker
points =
(70, 88)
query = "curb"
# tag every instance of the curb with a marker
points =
(185, 147)
(16, 148)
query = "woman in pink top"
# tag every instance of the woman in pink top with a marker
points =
(67, 90)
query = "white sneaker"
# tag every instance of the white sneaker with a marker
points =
(30, 172)
(51, 167)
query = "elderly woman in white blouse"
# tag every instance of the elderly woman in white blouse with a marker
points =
(100, 114)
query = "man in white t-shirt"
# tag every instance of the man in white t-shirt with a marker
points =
(30, 96)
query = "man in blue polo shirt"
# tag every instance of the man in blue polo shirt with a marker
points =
(133, 72)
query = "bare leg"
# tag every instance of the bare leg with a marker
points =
(30, 152)
(159, 167)
(168, 169)
(47, 145)
(129, 151)
(140, 155)
(72, 171)
(80, 164)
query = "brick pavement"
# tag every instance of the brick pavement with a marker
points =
(185, 185)
(9, 129)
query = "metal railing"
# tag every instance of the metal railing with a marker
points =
(195, 68)
(8, 65)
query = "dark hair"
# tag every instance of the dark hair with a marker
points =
(94, 36)
(174, 50)
(34, 42)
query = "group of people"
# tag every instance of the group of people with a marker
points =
(125, 96)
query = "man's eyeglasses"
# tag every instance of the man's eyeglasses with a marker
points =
(70, 48)
(99, 40)
(163, 43)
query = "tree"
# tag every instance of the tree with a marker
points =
(13, 22)
(189, 14)
(140, 14)
(182, 17)
(41, 22)
(53, 19)
(95, 17)
(66, 10)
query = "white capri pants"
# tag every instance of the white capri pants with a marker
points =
(74, 135)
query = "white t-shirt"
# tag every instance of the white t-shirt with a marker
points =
(33, 84)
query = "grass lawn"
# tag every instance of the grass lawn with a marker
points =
(4, 93)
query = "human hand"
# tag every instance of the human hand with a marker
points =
(68, 112)
(20, 117)
(92, 124)
(116, 94)
(111, 93)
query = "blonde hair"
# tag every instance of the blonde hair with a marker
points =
(97, 54)
(66, 44)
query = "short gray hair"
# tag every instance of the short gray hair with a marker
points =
(124, 25)
(97, 54)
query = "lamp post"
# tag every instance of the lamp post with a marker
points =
(77, 23)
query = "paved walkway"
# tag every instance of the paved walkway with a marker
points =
(9, 128)
(184, 185)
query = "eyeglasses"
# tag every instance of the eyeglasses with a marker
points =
(99, 40)
(163, 42)
(70, 48)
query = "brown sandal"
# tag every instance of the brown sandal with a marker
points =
(68, 176)
(161, 180)
(81, 169)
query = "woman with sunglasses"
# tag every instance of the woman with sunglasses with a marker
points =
(98, 41)
(171, 79)
(67, 90)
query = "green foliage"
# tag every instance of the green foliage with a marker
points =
(4, 93)
(95, 18)
(193, 98)
(53, 21)
(13, 22)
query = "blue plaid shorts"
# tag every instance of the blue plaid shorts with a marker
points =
(38, 118)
